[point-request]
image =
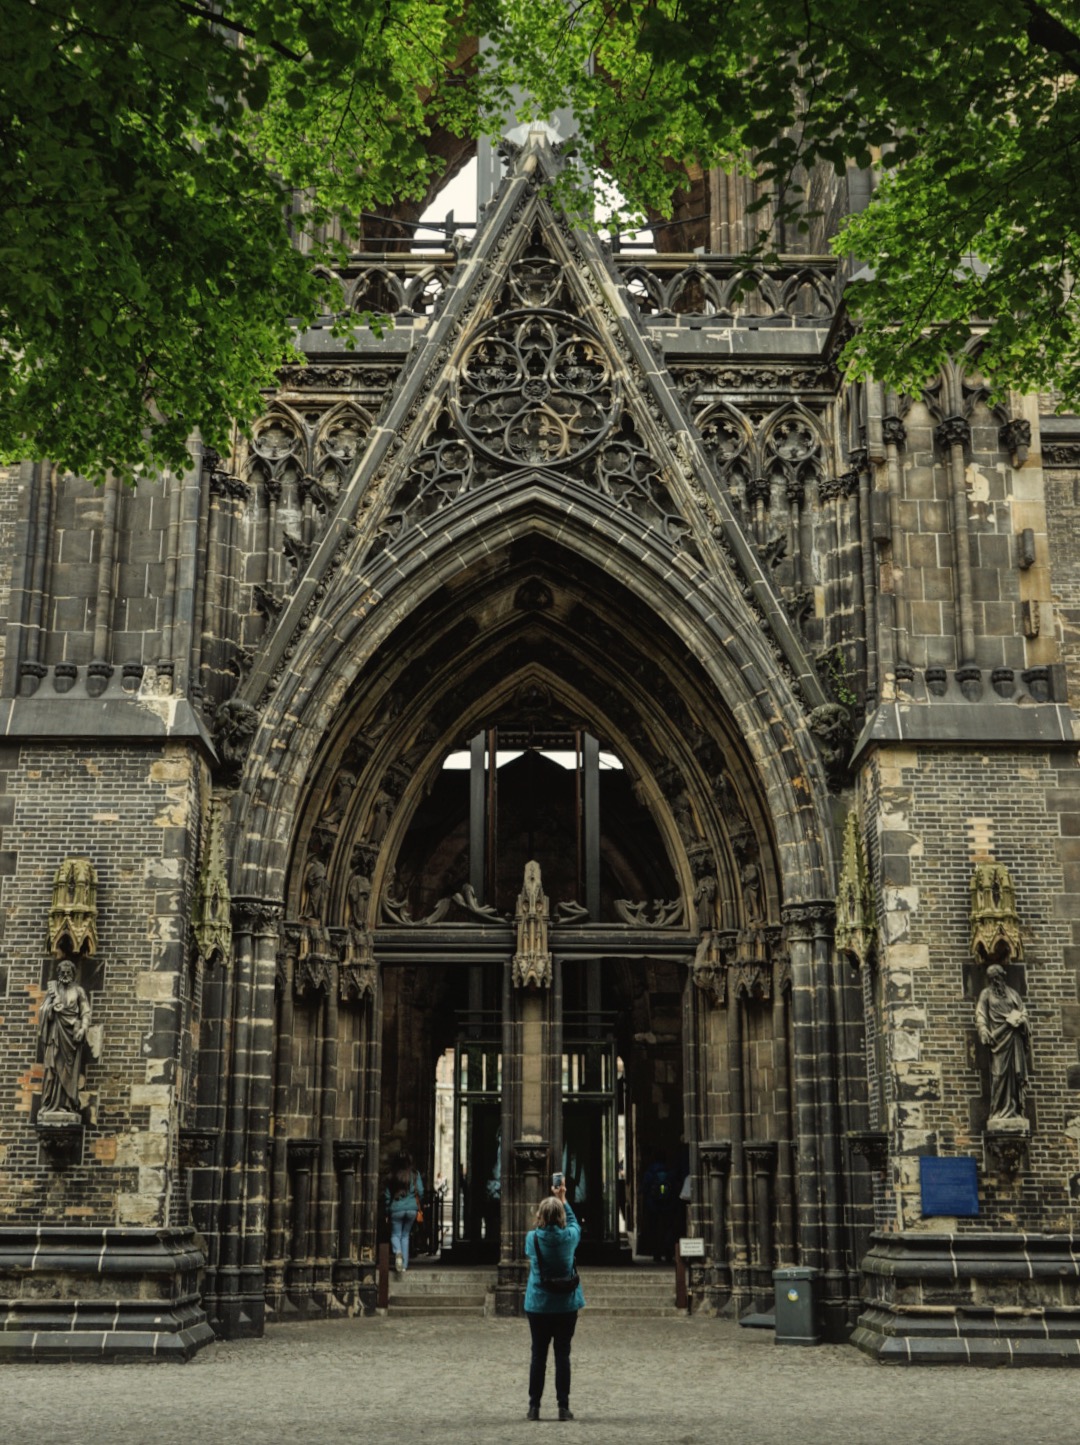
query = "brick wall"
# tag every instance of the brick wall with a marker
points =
(135, 813)
(936, 813)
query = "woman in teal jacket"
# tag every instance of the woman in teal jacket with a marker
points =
(404, 1191)
(552, 1315)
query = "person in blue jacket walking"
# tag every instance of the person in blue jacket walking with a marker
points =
(552, 1313)
(404, 1191)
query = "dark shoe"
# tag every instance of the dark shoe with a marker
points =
(565, 1412)
(533, 1412)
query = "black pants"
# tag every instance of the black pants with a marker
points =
(546, 1329)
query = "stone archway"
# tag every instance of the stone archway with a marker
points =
(476, 561)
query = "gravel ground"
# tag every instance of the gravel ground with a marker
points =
(405, 1381)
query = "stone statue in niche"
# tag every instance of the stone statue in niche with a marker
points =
(358, 895)
(750, 876)
(316, 890)
(1002, 1021)
(338, 802)
(64, 1020)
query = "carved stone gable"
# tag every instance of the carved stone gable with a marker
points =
(536, 380)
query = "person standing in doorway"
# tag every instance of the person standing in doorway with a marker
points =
(404, 1191)
(552, 1296)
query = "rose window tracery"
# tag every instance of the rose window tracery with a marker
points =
(536, 388)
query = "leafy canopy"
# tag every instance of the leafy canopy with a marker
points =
(151, 249)
(970, 110)
(170, 171)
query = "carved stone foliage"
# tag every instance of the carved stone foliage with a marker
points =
(856, 918)
(831, 725)
(871, 1145)
(995, 926)
(235, 722)
(73, 915)
(211, 914)
(665, 912)
(532, 957)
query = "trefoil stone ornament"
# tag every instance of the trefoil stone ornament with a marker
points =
(532, 960)
(995, 927)
(73, 915)
(856, 919)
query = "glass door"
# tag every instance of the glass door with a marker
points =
(477, 1142)
(590, 1096)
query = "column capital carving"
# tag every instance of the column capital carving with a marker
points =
(349, 1154)
(715, 1155)
(953, 431)
(531, 1155)
(302, 1154)
(761, 1154)
(812, 919)
(258, 916)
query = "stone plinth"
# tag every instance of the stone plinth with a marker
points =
(101, 1294)
(971, 1299)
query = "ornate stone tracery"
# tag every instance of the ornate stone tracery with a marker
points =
(73, 916)
(995, 925)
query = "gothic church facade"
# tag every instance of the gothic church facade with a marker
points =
(580, 685)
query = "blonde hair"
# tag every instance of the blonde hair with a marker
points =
(551, 1212)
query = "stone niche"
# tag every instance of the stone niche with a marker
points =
(137, 1294)
(971, 1299)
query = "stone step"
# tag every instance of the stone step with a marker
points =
(631, 1312)
(437, 1303)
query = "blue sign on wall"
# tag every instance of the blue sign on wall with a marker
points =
(949, 1186)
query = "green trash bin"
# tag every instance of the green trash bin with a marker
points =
(796, 1306)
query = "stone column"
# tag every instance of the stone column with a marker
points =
(808, 939)
(325, 1240)
(279, 1181)
(715, 1156)
(302, 1156)
(953, 436)
(348, 1157)
(241, 1278)
(761, 1161)
(740, 1244)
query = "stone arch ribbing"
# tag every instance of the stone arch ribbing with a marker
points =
(714, 625)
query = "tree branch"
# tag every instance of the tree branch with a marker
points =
(216, 18)
(1048, 33)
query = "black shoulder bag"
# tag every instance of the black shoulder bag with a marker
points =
(556, 1286)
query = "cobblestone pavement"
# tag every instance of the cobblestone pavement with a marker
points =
(669, 1381)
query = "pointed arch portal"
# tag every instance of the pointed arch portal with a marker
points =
(533, 570)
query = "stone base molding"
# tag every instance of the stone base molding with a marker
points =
(971, 1299)
(100, 1294)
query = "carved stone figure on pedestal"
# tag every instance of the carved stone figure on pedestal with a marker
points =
(532, 961)
(316, 890)
(1003, 1026)
(65, 1017)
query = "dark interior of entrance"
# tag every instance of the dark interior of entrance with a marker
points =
(521, 792)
